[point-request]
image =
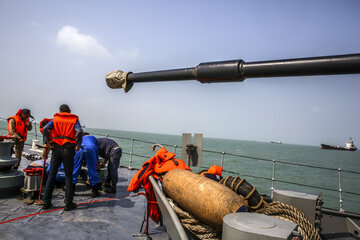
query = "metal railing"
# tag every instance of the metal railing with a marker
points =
(274, 162)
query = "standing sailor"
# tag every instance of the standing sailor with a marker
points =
(66, 133)
(111, 152)
(18, 126)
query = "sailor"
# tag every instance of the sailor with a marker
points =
(18, 126)
(45, 152)
(66, 133)
(111, 152)
(90, 154)
(60, 176)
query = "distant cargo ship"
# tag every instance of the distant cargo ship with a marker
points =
(277, 142)
(349, 146)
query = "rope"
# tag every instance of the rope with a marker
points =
(56, 209)
(251, 193)
(290, 213)
(276, 209)
(201, 230)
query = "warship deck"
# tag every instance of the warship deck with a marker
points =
(110, 216)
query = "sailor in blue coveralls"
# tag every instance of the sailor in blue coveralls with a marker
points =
(90, 154)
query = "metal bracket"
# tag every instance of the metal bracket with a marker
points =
(191, 154)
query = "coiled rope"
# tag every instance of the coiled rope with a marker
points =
(200, 229)
(276, 209)
(290, 213)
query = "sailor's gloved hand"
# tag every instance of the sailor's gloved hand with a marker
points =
(48, 145)
(29, 126)
(19, 138)
(100, 165)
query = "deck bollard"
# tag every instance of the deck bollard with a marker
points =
(34, 144)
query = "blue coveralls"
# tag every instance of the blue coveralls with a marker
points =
(89, 154)
(60, 176)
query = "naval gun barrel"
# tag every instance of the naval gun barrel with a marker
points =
(238, 70)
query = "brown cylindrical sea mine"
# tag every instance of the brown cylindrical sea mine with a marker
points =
(205, 199)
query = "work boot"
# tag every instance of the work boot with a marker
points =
(70, 206)
(46, 205)
(110, 188)
(106, 184)
(95, 191)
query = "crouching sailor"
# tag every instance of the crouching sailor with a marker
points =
(111, 152)
(66, 134)
(90, 154)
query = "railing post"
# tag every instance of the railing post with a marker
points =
(35, 132)
(131, 152)
(340, 191)
(273, 179)
(222, 159)
(175, 146)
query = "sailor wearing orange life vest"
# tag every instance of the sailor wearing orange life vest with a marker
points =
(66, 138)
(42, 124)
(18, 126)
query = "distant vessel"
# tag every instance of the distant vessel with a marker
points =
(277, 142)
(349, 146)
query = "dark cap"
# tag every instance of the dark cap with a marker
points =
(64, 108)
(26, 112)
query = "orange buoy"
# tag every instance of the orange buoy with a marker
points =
(205, 199)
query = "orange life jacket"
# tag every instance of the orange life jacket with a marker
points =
(20, 125)
(64, 131)
(162, 162)
(214, 169)
(43, 124)
(214, 173)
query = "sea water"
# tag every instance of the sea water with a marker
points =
(254, 161)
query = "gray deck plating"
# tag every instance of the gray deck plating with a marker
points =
(118, 218)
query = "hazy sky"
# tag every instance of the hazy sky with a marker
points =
(54, 52)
